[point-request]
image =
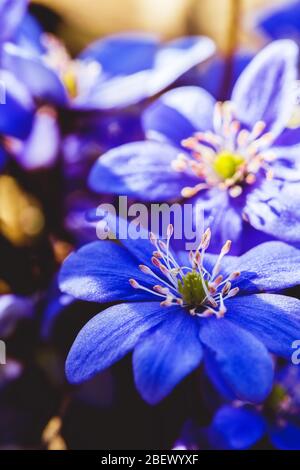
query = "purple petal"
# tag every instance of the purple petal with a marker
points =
(222, 217)
(286, 437)
(16, 115)
(264, 91)
(274, 208)
(11, 14)
(271, 266)
(42, 82)
(100, 272)
(140, 169)
(236, 428)
(123, 54)
(45, 129)
(109, 336)
(178, 114)
(166, 354)
(242, 361)
(147, 75)
(273, 319)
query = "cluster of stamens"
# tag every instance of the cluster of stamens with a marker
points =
(228, 157)
(192, 287)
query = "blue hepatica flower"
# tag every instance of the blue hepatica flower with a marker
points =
(99, 79)
(114, 72)
(233, 159)
(175, 309)
(242, 426)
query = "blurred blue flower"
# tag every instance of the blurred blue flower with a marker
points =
(234, 159)
(114, 72)
(110, 75)
(281, 21)
(176, 309)
(242, 426)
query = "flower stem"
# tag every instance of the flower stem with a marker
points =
(232, 44)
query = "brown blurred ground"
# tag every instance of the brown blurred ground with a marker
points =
(84, 20)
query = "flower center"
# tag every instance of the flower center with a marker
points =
(229, 156)
(192, 287)
(226, 164)
(77, 76)
(70, 82)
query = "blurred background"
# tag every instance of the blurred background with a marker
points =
(84, 21)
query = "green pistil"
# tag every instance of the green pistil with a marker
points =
(226, 164)
(191, 289)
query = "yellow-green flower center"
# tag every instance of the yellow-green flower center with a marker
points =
(226, 164)
(192, 289)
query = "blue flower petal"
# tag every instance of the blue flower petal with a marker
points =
(123, 54)
(223, 217)
(178, 114)
(290, 136)
(286, 165)
(45, 129)
(166, 354)
(16, 114)
(141, 169)
(282, 21)
(42, 82)
(145, 75)
(109, 336)
(11, 14)
(29, 35)
(213, 76)
(264, 91)
(286, 437)
(271, 266)
(274, 208)
(236, 428)
(273, 319)
(243, 361)
(100, 272)
(178, 57)
(128, 233)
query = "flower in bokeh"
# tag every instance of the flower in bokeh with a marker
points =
(114, 72)
(232, 159)
(242, 426)
(175, 309)
(111, 74)
(281, 21)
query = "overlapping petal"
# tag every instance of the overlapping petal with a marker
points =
(242, 360)
(109, 336)
(141, 169)
(273, 319)
(100, 272)
(274, 208)
(264, 91)
(42, 82)
(178, 114)
(165, 355)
